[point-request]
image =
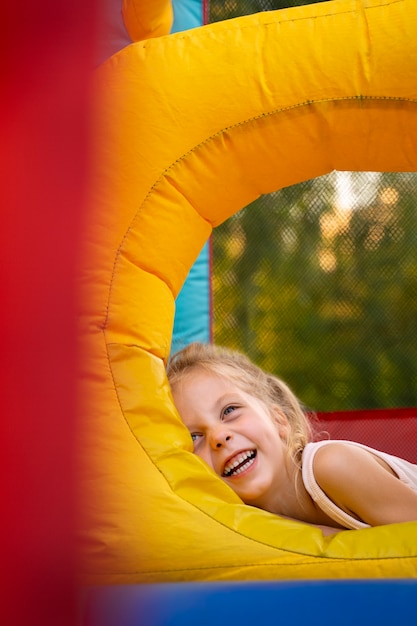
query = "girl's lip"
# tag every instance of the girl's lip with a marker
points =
(233, 458)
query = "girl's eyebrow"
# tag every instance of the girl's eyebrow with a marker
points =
(226, 398)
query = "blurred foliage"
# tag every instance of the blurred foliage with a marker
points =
(225, 9)
(319, 286)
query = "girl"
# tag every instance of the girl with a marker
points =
(249, 427)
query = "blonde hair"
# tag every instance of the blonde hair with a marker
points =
(250, 378)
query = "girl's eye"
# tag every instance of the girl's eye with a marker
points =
(195, 436)
(228, 410)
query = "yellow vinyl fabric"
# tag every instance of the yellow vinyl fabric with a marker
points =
(190, 128)
(145, 19)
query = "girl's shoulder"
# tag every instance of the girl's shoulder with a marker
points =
(329, 470)
(332, 450)
(368, 485)
(333, 460)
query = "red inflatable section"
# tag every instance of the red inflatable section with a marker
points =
(46, 52)
(391, 430)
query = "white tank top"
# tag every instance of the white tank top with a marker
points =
(406, 472)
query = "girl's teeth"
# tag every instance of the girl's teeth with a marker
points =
(241, 469)
(247, 456)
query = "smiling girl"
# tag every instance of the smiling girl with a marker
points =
(249, 427)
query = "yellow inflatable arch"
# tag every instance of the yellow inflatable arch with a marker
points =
(192, 127)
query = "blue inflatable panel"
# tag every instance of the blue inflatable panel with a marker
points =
(193, 305)
(187, 14)
(314, 603)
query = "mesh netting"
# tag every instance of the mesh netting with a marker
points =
(391, 430)
(225, 9)
(318, 284)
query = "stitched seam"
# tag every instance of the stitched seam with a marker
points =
(218, 134)
(257, 565)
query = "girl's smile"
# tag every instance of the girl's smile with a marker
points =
(239, 463)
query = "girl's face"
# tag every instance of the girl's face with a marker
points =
(236, 435)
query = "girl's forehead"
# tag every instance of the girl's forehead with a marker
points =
(212, 372)
(231, 378)
(227, 374)
(222, 377)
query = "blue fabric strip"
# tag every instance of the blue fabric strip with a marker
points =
(193, 312)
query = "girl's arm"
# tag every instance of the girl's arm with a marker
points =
(363, 486)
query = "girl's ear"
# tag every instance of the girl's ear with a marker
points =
(281, 421)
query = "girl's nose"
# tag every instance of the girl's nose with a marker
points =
(220, 437)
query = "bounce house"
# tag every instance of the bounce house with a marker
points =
(190, 127)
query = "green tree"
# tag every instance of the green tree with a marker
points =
(325, 297)
(220, 10)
